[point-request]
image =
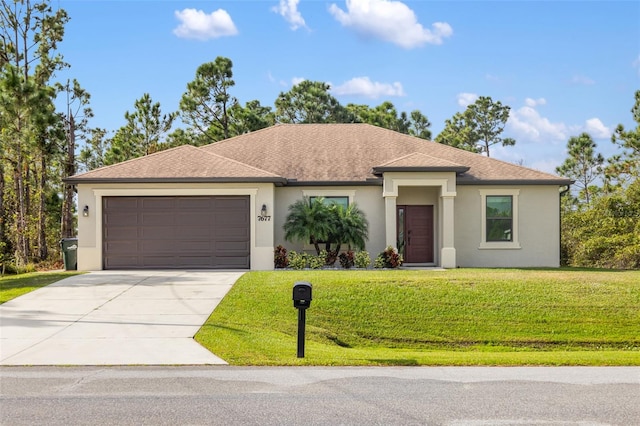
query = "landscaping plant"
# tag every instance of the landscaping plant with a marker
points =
(317, 222)
(390, 258)
(362, 259)
(280, 258)
(347, 259)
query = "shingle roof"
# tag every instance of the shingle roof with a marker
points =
(184, 163)
(315, 153)
(349, 152)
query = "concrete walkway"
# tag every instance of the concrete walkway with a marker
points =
(114, 318)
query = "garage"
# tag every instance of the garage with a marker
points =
(176, 232)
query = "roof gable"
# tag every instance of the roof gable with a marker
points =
(419, 162)
(185, 162)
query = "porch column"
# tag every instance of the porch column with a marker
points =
(390, 221)
(448, 251)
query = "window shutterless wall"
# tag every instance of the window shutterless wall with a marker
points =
(368, 198)
(538, 228)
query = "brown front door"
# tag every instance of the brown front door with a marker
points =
(415, 233)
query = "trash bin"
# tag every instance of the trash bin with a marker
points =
(69, 248)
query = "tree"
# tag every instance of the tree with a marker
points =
(623, 168)
(308, 221)
(92, 154)
(478, 128)
(583, 164)
(75, 119)
(458, 133)
(349, 226)
(143, 134)
(206, 103)
(319, 221)
(385, 115)
(607, 233)
(250, 118)
(309, 102)
(29, 34)
(419, 125)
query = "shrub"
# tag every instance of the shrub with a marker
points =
(331, 257)
(390, 258)
(362, 259)
(347, 259)
(317, 262)
(297, 260)
(280, 259)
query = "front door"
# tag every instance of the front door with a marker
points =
(415, 233)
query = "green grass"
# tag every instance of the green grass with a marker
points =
(12, 286)
(453, 317)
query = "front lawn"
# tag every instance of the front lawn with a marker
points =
(453, 317)
(12, 286)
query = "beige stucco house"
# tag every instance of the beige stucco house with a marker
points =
(224, 205)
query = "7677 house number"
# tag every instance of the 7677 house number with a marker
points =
(264, 218)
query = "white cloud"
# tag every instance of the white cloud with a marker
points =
(597, 129)
(199, 25)
(288, 9)
(363, 86)
(530, 102)
(297, 80)
(527, 124)
(636, 64)
(583, 80)
(391, 21)
(466, 99)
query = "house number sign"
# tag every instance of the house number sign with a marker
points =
(264, 218)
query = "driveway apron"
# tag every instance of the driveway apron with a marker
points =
(114, 318)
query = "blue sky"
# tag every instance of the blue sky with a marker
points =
(563, 67)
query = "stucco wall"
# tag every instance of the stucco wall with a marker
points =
(538, 229)
(538, 219)
(90, 228)
(368, 198)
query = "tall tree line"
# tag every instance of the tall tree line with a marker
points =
(601, 217)
(32, 136)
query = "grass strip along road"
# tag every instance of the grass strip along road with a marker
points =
(452, 317)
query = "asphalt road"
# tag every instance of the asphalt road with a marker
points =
(223, 395)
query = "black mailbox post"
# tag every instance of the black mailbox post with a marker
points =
(301, 301)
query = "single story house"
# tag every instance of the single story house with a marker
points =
(224, 205)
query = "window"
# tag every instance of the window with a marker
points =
(499, 219)
(337, 200)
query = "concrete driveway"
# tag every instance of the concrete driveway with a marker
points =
(114, 318)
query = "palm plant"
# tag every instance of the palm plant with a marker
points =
(308, 221)
(318, 222)
(349, 226)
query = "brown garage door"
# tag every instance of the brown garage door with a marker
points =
(175, 232)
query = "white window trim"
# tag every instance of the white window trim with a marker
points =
(484, 244)
(330, 193)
